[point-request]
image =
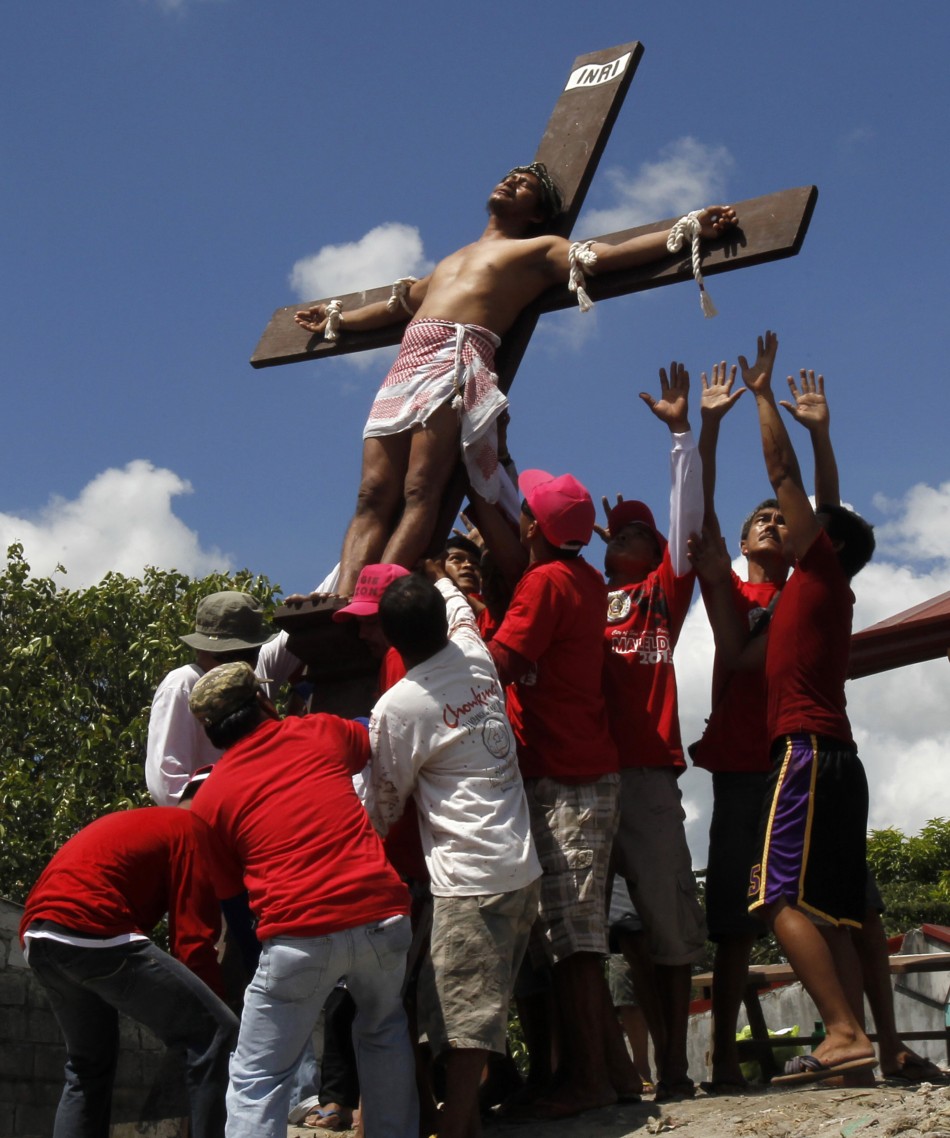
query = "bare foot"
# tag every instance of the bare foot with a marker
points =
(832, 1055)
(910, 1066)
(331, 1116)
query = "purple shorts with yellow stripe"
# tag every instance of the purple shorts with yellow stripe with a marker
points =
(814, 831)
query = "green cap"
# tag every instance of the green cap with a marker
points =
(228, 622)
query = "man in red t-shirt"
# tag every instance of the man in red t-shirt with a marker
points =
(327, 901)
(549, 649)
(735, 749)
(810, 881)
(735, 743)
(650, 585)
(85, 930)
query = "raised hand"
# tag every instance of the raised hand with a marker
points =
(431, 567)
(672, 407)
(603, 532)
(471, 531)
(716, 219)
(709, 556)
(758, 376)
(718, 396)
(810, 407)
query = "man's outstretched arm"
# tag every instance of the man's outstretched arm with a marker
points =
(686, 489)
(642, 249)
(379, 314)
(810, 408)
(735, 651)
(781, 463)
(718, 399)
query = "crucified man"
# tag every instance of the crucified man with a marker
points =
(442, 390)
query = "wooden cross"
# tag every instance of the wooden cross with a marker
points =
(770, 227)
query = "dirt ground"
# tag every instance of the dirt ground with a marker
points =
(884, 1111)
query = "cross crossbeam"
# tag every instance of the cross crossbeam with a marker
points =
(770, 227)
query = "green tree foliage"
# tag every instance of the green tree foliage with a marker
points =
(913, 874)
(78, 668)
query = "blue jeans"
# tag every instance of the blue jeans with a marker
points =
(88, 987)
(281, 1004)
(306, 1081)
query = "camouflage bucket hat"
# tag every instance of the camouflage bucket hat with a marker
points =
(220, 692)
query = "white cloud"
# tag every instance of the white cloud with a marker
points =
(899, 718)
(920, 529)
(687, 175)
(180, 5)
(383, 255)
(121, 521)
(857, 138)
(566, 333)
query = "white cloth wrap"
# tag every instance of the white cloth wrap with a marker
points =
(439, 362)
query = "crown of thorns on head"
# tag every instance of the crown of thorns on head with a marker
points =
(551, 201)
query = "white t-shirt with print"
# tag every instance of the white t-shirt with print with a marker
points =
(441, 735)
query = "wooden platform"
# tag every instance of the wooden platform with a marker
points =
(767, 976)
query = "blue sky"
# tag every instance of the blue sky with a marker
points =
(167, 165)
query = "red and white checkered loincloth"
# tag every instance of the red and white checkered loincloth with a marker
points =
(439, 360)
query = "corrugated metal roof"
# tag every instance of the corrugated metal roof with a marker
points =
(918, 633)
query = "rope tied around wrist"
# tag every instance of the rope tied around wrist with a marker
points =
(580, 256)
(331, 330)
(400, 293)
(689, 226)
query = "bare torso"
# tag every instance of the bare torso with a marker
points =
(490, 281)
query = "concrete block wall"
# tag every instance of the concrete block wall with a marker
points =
(149, 1088)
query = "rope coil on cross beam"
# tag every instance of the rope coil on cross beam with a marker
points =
(334, 322)
(400, 293)
(689, 226)
(581, 256)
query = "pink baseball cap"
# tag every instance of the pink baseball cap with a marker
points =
(372, 582)
(634, 513)
(562, 506)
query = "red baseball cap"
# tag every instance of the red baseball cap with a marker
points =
(634, 513)
(563, 507)
(370, 586)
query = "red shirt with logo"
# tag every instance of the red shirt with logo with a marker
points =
(643, 624)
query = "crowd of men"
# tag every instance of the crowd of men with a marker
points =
(454, 853)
